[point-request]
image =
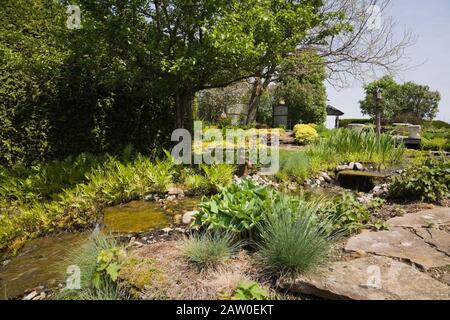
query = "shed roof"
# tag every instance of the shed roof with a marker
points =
(332, 111)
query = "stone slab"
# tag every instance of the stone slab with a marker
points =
(436, 216)
(370, 278)
(398, 243)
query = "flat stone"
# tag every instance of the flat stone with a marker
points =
(436, 216)
(399, 243)
(370, 278)
(188, 217)
(438, 238)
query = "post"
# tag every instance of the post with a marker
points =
(377, 98)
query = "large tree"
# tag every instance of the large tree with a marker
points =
(408, 102)
(201, 44)
(356, 41)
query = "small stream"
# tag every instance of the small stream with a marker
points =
(42, 261)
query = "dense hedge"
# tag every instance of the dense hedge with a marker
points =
(64, 92)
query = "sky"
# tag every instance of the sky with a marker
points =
(429, 56)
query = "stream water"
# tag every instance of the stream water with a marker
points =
(42, 261)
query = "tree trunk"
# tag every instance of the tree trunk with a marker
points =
(183, 109)
(253, 104)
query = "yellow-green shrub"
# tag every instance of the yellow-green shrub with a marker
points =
(305, 134)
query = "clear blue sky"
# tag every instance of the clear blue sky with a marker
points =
(429, 20)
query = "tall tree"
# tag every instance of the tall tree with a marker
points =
(356, 41)
(408, 102)
(201, 44)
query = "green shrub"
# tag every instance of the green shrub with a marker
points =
(99, 260)
(436, 124)
(305, 134)
(218, 175)
(209, 249)
(238, 209)
(294, 166)
(250, 290)
(436, 144)
(293, 239)
(45, 181)
(196, 184)
(427, 180)
(347, 213)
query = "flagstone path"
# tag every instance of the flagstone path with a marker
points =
(393, 264)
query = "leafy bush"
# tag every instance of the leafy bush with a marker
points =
(427, 180)
(218, 175)
(293, 237)
(238, 208)
(99, 260)
(347, 213)
(305, 134)
(250, 290)
(196, 184)
(209, 249)
(436, 144)
(45, 181)
(436, 124)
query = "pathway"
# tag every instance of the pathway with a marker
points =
(394, 264)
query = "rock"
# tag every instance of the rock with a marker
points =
(180, 230)
(437, 238)
(343, 167)
(381, 190)
(370, 278)
(426, 218)
(188, 217)
(175, 192)
(358, 166)
(6, 262)
(366, 198)
(326, 177)
(149, 197)
(399, 243)
(31, 295)
(171, 198)
(445, 279)
(167, 230)
(41, 296)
